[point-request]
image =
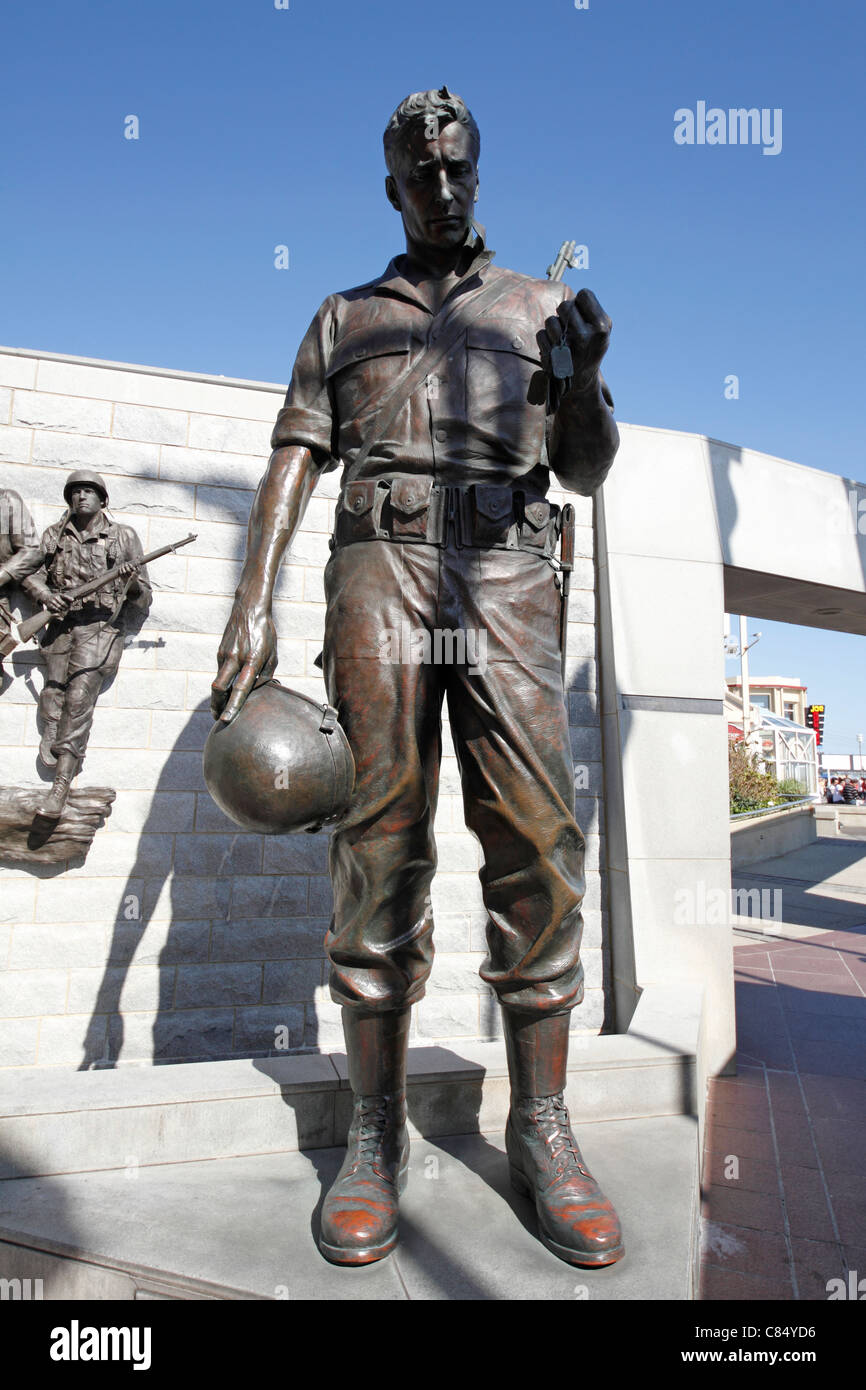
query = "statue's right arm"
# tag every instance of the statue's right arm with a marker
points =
(27, 567)
(248, 651)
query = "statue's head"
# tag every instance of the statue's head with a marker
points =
(431, 150)
(85, 493)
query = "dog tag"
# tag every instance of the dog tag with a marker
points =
(561, 363)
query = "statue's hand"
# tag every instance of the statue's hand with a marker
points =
(55, 601)
(587, 328)
(247, 657)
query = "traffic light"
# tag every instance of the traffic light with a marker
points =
(815, 720)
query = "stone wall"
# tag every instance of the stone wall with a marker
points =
(179, 937)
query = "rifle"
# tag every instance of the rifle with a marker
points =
(566, 564)
(22, 632)
(565, 259)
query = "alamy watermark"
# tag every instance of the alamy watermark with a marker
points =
(20, 1290)
(715, 907)
(848, 518)
(739, 125)
(77, 1343)
(852, 1288)
(441, 646)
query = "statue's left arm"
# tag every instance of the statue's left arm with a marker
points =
(584, 437)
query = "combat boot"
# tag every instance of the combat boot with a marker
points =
(575, 1219)
(52, 807)
(359, 1215)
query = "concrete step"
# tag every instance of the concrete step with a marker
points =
(54, 1121)
(245, 1228)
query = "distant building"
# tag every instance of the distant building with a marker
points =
(781, 741)
(777, 694)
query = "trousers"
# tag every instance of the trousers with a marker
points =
(393, 656)
(79, 657)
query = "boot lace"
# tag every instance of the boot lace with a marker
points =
(373, 1118)
(551, 1117)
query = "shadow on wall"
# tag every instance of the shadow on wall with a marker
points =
(236, 951)
(724, 493)
(224, 916)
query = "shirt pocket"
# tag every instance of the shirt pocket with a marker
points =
(506, 385)
(97, 556)
(364, 365)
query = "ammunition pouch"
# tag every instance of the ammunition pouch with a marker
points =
(414, 509)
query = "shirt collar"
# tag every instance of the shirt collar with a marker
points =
(477, 256)
(98, 532)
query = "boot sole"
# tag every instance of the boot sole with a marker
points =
(590, 1260)
(366, 1254)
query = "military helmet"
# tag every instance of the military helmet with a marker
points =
(282, 765)
(85, 475)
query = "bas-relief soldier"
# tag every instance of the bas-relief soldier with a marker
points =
(443, 523)
(17, 533)
(83, 643)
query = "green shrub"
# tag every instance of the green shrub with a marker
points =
(750, 789)
(789, 786)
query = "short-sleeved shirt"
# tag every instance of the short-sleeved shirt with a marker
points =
(65, 557)
(483, 415)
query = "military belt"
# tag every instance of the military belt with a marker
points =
(412, 509)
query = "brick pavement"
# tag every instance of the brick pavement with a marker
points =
(784, 1176)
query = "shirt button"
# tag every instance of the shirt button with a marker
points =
(441, 435)
(517, 342)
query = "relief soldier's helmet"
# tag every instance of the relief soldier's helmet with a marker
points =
(91, 479)
(282, 765)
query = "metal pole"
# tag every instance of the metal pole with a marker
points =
(744, 676)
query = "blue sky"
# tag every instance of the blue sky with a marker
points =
(261, 127)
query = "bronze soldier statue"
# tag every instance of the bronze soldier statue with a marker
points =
(83, 643)
(17, 533)
(447, 389)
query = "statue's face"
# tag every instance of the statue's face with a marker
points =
(85, 500)
(434, 188)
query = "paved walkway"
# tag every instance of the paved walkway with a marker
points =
(785, 1174)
